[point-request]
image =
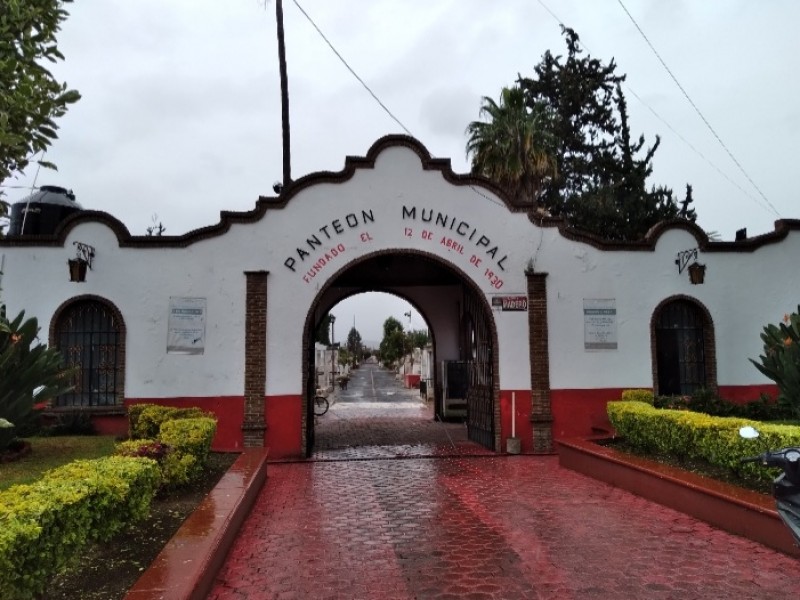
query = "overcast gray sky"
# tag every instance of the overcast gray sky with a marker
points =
(180, 115)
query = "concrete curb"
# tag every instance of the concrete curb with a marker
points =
(187, 566)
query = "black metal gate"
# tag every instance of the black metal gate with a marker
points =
(478, 347)
(680, 349)
(310, 391)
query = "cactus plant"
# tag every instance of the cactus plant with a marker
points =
(25, 366)
(781, 359)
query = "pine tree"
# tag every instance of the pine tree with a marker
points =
(601, 181)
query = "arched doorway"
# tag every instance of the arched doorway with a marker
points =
(683, 347)
(448, 299)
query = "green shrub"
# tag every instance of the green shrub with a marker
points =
(48, 522)
(191, 437)
(695, 435)
(706, 401)
(152, 449)
(145, 420)
(71, 423)
(637, 396)
(26, 365)
(182, 447)
(178, 469)
(781, 360)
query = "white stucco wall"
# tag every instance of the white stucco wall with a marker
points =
(743, 290)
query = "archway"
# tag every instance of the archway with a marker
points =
(90, 333)
(448, 300)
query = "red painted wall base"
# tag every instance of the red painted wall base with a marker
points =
(576, 413)
(283, 416)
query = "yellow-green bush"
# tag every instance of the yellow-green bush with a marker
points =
(145, 420)
(638, 396)
(699, 436)
(45, 523)
(182, 448)
(189, 437)
(178, 469)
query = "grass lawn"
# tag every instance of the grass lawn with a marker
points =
(51, 452)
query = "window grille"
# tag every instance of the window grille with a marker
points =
(89, 337)
(680, 348)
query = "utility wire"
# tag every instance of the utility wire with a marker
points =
(697, 110)
(349, 68)
(767, 207)
(696, 151)
(366, 87)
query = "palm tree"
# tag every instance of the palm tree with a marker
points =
(515, 146)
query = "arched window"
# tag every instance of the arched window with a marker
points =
(683, 350)
(90, 335)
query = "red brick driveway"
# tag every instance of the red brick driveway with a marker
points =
(447, 521)
(501, 527)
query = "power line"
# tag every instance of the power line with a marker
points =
(767, 207)
(366, 87)
(697, 110)
(696, 151)
(349, 68)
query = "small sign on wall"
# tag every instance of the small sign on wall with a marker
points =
(510, 303)
(186, 329)
(599, 324)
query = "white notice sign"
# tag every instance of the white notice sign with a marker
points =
(599, 324)
(186, 331)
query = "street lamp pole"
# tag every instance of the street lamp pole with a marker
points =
(333, 352)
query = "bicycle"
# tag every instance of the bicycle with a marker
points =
(321, 405)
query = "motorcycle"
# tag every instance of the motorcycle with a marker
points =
(786, 486)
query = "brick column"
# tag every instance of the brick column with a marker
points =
(539, 355)
(255, 358)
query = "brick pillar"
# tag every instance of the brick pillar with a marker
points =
(541, 413)
(255, 358)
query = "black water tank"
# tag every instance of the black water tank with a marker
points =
(43, 211)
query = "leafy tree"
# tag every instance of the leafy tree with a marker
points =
(345, 357)
(418, 338)
(391, 325)
(31, 98)
(26, 367)
(393, 344)
(515, 147)
(322, 334)
(599, 179)
(354, 343)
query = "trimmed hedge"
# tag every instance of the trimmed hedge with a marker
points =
(638, 396)
(182, 449)
(45, 523)
(190, 440)
(145, 420)
(693, 435)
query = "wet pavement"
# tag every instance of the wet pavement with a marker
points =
(441, 525)
(375, 417)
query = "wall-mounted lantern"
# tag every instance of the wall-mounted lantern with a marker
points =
(697, 273)
(84, 254)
